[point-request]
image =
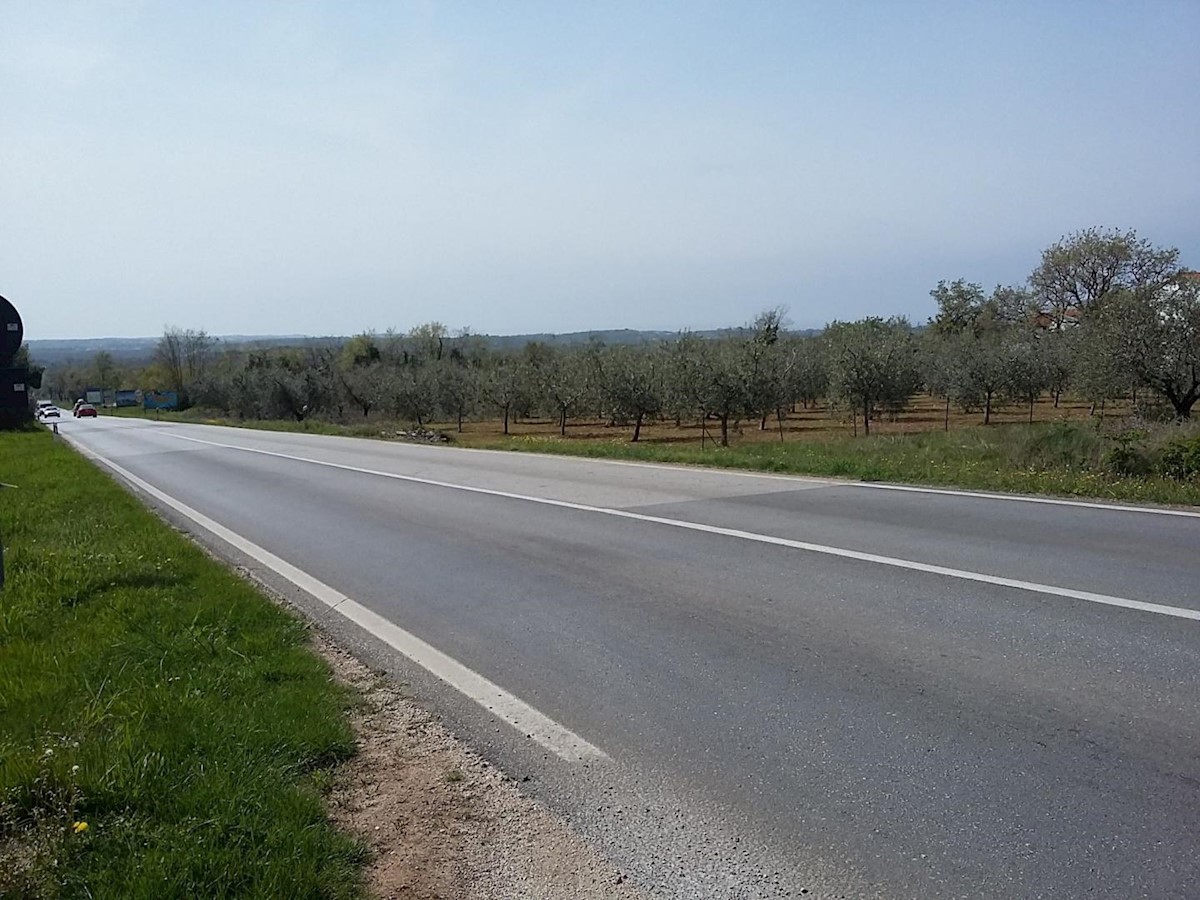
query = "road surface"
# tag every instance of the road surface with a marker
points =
(749, 686)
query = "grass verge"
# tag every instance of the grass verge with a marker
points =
(1057, 459)
(147, 691)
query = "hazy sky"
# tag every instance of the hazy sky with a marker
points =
(325, 168)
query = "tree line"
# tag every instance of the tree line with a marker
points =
(1104, 315)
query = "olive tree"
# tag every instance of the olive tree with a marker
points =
(872, 363)
(1153, 337)
(560, 377)
(458, 389)
(631, 381)
(502, 385)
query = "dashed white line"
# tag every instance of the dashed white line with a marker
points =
(894, 562)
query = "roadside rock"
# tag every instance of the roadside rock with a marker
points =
(418, 436)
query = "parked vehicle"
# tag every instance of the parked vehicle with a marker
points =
(84, 410)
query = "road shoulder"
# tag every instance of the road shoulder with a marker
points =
(438, 820)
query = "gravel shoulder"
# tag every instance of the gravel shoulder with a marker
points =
(439, 821)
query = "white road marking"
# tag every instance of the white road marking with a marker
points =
(524, 718)
(811, 480)
(894, 562)
(1021, 498)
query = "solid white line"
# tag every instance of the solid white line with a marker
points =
(524, 718)
(1020, 498)
(895, 562)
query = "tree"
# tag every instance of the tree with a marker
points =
(501, 386)
(561, 377)
(1083, 268)
(940, 360)
(22, 360)
(457, 389)
(428, 342)
(413, 393)
(969, 354)
(632, 383)
(681, 376)
(765, 367)
(184, 355)
(360, 371)
(722, 385)
(959, 304)
(808, 378)
(1154, 338)
(104, 370)
(872, 363)
(1028, 366)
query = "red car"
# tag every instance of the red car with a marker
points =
(85, 409)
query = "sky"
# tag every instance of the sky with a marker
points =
(329, 168)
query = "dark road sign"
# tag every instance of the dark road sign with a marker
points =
(11, 332)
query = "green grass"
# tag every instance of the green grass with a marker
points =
(149, 692)
(1066, 459)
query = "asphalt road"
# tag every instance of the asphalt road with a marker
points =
(779, 685)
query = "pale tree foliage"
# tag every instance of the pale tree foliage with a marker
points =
(975, 344)
(872, 364)
(766, 365)
(721, 387)
(457, 389)
(1152, 338)
(631, 382)
(807, 378)
(104, 369)
(938, 365)
(1136, 329)
(502, 386)
(561, 379)
(427, 342)
(682, 375)
(185, 355)
(1080, 270)
(1029, 365)
(411, 393)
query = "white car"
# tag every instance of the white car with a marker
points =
(48, 412)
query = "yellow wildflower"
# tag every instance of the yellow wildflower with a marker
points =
(79, 827)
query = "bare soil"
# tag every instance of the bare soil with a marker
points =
(816, 423)
(439, 821)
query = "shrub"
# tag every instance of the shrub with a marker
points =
(1181, 458)
(1059, 446)
(1129, 458)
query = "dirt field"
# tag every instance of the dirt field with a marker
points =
(817, 423)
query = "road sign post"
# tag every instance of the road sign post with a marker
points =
(10, 487)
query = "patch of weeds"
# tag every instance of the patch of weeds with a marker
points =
(1128, 458)
(1181, 458)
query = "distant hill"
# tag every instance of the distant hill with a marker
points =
(140, 350)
